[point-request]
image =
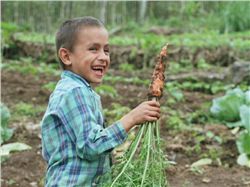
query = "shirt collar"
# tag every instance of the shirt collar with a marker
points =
(74, 76)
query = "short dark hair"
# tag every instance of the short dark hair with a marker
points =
(67, 34)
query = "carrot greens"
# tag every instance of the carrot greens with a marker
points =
(143, 164)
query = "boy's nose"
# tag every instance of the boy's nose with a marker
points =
(103, 56)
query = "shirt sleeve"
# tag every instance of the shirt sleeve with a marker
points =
(91, 139)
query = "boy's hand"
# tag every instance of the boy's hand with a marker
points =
(146, 111)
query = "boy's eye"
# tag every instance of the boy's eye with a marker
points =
(106, 50)
(93, 49)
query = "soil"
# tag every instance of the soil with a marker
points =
(27, 168)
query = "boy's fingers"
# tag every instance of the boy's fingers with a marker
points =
(152, 118)
(154, 103)
(154, 108)
(154, 114)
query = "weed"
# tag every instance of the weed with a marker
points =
(174, 120)
(6, 133)
(50, 86)
(106, 90)
(24, 109)
(126, 67)
(27, 66)
(116, 111)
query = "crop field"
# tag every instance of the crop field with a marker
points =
(205, 107)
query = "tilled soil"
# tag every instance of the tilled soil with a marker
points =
(27, 168)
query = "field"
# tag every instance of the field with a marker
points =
(201, 69)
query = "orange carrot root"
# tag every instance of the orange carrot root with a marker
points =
(158, 78)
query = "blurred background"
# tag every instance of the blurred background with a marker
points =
(46, 16)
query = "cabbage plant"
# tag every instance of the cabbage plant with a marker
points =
(6, 133)
(234, 110)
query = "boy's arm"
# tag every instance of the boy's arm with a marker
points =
(146, 111)
(91, 139)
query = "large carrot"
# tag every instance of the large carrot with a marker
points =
(144, 162)
(158, 78)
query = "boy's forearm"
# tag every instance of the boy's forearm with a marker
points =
(127, 122)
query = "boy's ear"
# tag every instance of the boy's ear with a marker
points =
(64, 56)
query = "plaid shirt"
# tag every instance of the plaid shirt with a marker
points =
(75, 143)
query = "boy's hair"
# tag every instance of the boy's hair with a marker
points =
(67, 34)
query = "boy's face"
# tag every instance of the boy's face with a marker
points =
(90, 56)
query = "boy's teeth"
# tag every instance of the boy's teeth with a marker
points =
(100, 69)
(97, 68)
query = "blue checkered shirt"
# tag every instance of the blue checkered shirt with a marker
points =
(75, 143)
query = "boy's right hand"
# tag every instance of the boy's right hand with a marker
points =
(146, 111)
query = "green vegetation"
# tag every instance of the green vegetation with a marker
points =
(208, 39)
(50, 86)
(6, 149)
(203, 37)
(175, 120)
(126, 67)
(22, 109)
(146, 168)
(35, 37)
(233, 18)
(227, 107)
(6, 132)
(116, 112)
(196, 85)
(8, 29)
(234, 107)
(27, 66)
(106, 90)
(223, 16)
(119, 79)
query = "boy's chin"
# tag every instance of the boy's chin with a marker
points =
(96, 82)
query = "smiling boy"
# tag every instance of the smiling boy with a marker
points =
(75, 142)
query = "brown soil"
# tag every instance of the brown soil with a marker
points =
(27, 88)
(27, 168)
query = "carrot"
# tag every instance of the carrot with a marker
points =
(144, 163)
(158, 78)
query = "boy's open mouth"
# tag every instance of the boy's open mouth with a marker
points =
(99, 70)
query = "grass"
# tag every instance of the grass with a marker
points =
(200, 86)
(28, 66)
(106, 90)
(141, 39)
(126, 67)
(119, 79)
(50, 86)
(115, 112)
(208, 39)
(35, 37)
(25, 110)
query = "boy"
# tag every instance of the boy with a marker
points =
(75, 143)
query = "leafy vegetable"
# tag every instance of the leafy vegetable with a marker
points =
(247, 96)
(106, 90)
(202, 162)
(7, 148)
(226, 108)
(245, 117)
(243, 143)
(6, 133)
(243, 160)
(234, 109)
